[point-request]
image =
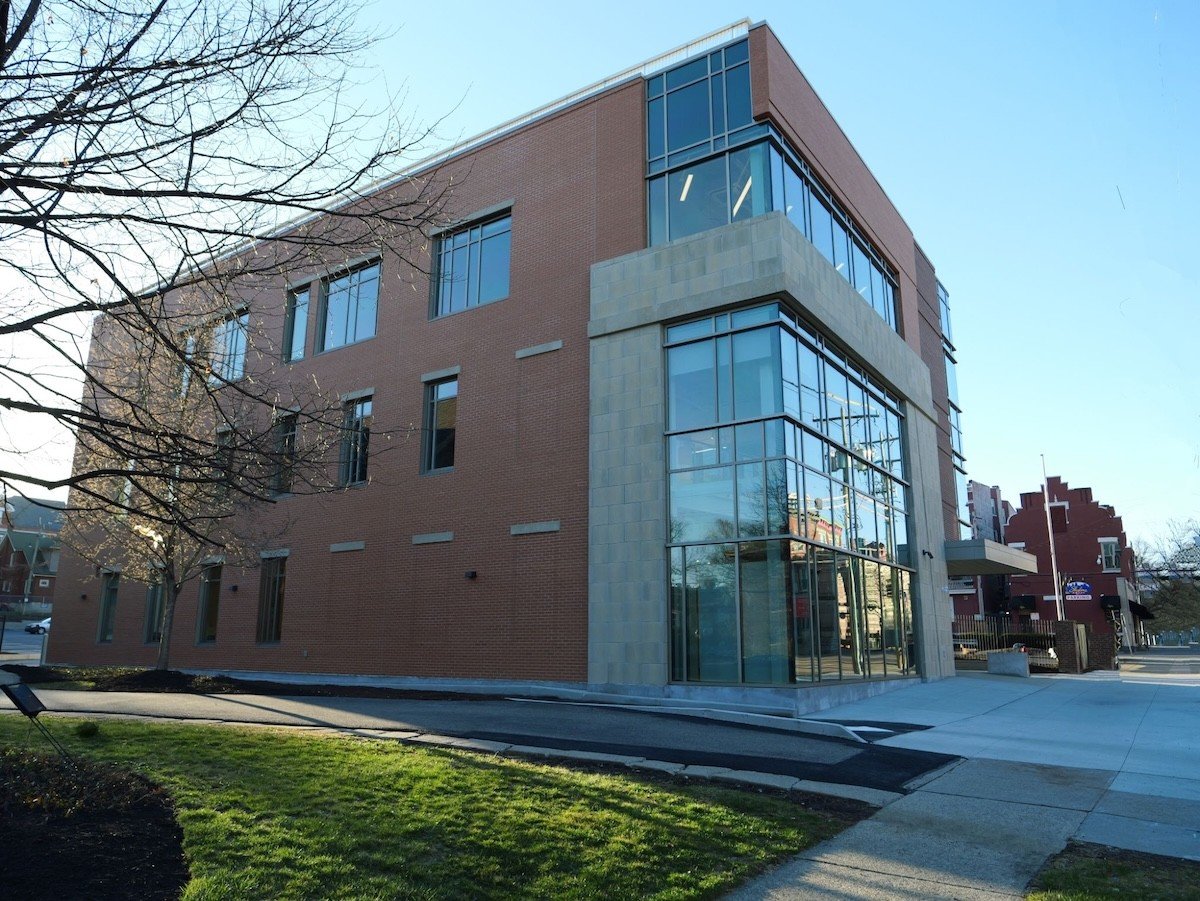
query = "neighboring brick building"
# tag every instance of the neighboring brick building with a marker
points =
(687, 419)
(1095, 561)
(29, 549)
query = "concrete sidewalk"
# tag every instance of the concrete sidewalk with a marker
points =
(1091, 758)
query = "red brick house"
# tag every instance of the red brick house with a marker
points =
(1095, 562)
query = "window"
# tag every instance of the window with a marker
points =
(441, 412)
(295, 329)
(472, 266)
(356, 434)
(110, 584)
(285, 453)
(1110, 554)
(348, 307)
(270, 600)
(229, 348)
(223, 469)
(154, 612)
(210, 603)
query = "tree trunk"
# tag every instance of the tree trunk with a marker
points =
(171, 591)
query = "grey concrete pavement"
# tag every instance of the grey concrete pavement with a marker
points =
(841, 767)
(1094, 758)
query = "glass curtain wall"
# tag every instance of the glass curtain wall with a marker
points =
(788, 512)
(709, 163)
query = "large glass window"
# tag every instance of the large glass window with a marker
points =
(797, 567)
(229, 348)
(709, 164)
(441, 414)
(110, 584)
(210, 603)
(295, 329)
(349, 305)
(473, 266)
(356, 438)
(270, 600)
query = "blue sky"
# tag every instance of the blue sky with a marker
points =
(1044, 155)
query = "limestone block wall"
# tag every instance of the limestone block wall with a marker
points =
(631, 298)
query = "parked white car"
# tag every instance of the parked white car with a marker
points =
(39, 628)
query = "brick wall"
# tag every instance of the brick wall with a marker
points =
(395, 607)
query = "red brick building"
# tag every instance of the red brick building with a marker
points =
(1095, 562)
(686, 417)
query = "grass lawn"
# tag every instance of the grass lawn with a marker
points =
(272, 814)
(1085, 872)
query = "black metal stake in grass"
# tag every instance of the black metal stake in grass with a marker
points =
(31, 705)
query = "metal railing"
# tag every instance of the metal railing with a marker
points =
(975, 638)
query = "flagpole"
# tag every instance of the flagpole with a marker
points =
(1058, 598)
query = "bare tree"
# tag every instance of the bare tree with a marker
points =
(1172, 570)
(186, 492)
(161, 164)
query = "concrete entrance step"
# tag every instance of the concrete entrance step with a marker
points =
(1159, 663)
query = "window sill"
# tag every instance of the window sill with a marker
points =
(435, 316)
(330, 350)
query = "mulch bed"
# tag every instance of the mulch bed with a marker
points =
(80, 830)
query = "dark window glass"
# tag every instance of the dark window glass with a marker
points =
(862, 272)
(750, 182)
(687, 116)
(822, 225)
(658, 210)
(878, 300)
(270, 600)
(210, 603)
(678, 618)
(655, 134)
(295, 331)
(752, 504)
(110, 586)
(697, 198)
(794, 198)
(356, 436)
(473, 266)
(654, 86)
(737, 97)
(737, 53)
(951, 380)
(285, 453)
(441, 413)
(836, 426)
(841, 250)
(718, 104)
(764, 593)
(691, 386)
(812, 392)
(348, 308)
(711, 612)
(757, 383)
(702, 505)
(697, 68)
